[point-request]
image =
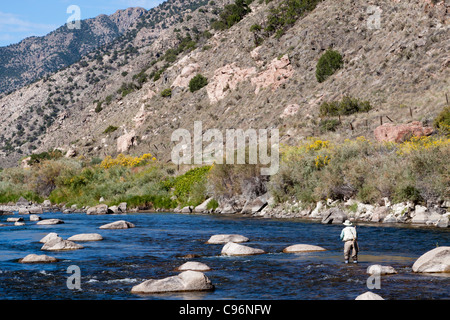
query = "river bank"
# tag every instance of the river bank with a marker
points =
(329, 212)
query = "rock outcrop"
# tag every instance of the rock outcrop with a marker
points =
(277, 72)
(126, 141)
(334, 216)
(401, 132)
(225, 80)
(187, 73)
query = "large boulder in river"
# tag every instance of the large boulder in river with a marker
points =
(185, 281)
(234, 249)
(380, 270)
(194, 266)
(35, 217)
(14, 219)
(225, 238)
(436, 260)
(302, 248)
(369, 296)
(34, 258)
(50, 236)
(118, 225)
(49, 222)
(86, 237)
(60, 245)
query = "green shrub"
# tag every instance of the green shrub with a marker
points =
(197, 83)
(212, 205)
(329, 125)
(328, 64)
(346, 106)
(110, 129)
(442, 121)
(49, 155)
(231, 14)
(190, 188)
(284, 16)
(166, 93)
(99, 108)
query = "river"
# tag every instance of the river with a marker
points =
(158, 244)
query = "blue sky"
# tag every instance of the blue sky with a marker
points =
(24, 18)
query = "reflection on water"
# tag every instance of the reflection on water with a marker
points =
(161, 242)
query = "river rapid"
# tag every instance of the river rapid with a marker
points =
(160, 241)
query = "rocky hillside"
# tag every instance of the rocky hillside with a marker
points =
(259, 75)
(35, 57)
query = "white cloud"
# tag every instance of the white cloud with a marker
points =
(147, 4)
(11, 23)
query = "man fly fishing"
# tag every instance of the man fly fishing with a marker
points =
(349, 236)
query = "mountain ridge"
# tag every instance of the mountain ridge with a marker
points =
(401, 68)
(35, 57)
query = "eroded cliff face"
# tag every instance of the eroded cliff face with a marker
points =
(401, 67)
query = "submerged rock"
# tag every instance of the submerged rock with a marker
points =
(59, 244)
(436, 260)
(381, 270)
(185, 281)
(86, 237)
(234, 249)
(34, 258)
(194, 266)
(302, 248)
(225, 238)
(118, 225)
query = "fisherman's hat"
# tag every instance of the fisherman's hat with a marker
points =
(347, 223)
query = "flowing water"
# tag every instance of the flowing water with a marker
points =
(158, 244)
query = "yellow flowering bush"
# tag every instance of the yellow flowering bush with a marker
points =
(321, 161)
(126, 161)
(422, 144)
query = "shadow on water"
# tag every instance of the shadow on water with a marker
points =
(161, 242)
